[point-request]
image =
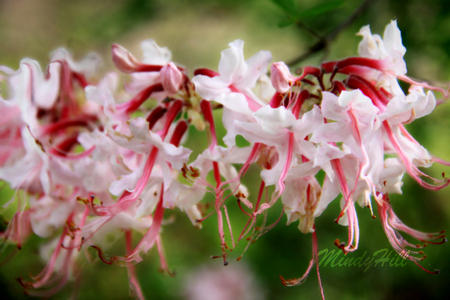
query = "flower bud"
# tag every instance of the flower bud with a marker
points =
(171, 78)
(127, 63)
(281, 77)
(123, 60)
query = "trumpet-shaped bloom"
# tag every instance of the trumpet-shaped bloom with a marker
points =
(235, 75)
(94, 161)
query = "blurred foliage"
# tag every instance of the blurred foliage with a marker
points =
(196, 31)
(296, 15)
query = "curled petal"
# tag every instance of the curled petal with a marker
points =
(127, 63)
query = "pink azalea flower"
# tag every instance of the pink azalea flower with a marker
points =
(235, 75)
(389, 49)
(94, 160)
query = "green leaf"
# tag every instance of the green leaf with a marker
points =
(287, 21)
(288, 6)
(321, 9)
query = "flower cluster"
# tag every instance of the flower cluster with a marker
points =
(89, 158)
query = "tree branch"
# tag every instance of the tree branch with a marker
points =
(324, 42)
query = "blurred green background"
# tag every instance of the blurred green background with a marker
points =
(196, 31)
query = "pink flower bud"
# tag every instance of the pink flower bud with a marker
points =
(281, 77)
(127, 63)
(171, 78)
(123, 60)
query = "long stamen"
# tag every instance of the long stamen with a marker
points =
(252, 218)
(172, 113)
(207, 114)
(156, 114)
(391, 224)
(378, 99)
(412, 170)
(217, 207)
(299, 102)
(147, 241)
(337, 66)
(82, 121)
(229, 226)
(134, 103)
(349, 207)
(281, 185)
(132, 277)
(44, 277)
(162, 258)
(445, 93)
(251, 158)
(314, 259)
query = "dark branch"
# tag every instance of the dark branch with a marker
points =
(324, 42)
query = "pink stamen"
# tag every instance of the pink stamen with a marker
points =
(156, 114)
(229, 225)
(217, 206)
(240, 207)
(314, 259)
(81, 79)
(83, 121)
(445, 93)
(308, 70)
(58, 153)
(378, 99)
(300, 280)
(207, 114)
(178, 133)
(172, 113)
(365, 165)
(81, 225)
(134, 283)
(412, 170)
(162, 257)
(349, 207)
(335, 67)
(260, 194)
(300, 99)
(67, 144)
(252, 157)
(252, 218)
(129, 198)
(43, 278)
(407, 134)
(392, 224)
(147, 241)
(287, 165)
(283, 175)
(134, 103)
(338, 87)
(206, 72)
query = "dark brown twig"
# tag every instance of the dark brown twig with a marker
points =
(324, 42)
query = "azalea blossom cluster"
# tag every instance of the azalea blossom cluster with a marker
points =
(91, 157)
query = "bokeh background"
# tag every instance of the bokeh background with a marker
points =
(196, 31)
